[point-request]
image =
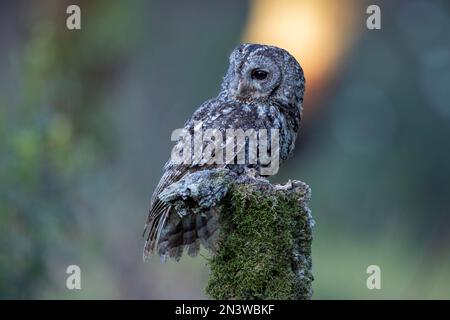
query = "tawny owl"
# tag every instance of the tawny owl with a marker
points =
(262, 89)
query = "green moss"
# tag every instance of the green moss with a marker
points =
(264, 247)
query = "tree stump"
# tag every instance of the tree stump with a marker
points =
(263, 247)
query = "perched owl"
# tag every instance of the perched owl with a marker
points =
(262, 89)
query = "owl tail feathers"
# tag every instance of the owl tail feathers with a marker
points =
(153, 228)
(186, 232)
(185, 214)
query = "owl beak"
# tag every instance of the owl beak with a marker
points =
(243, 90)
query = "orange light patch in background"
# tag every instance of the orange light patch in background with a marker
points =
(318, 33)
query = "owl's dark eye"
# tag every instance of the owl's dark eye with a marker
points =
(259, 74)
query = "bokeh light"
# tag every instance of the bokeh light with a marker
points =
(318, 33)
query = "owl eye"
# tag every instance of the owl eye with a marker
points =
(259, 74)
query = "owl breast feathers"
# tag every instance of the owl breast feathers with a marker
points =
(262, 91)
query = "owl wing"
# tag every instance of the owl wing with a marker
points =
(159, 210)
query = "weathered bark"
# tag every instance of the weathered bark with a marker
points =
(263, 250)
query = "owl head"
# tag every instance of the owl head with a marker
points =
(259, 73)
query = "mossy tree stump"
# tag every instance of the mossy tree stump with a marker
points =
(263, 250)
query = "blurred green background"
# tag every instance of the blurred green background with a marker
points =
(86, 117)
